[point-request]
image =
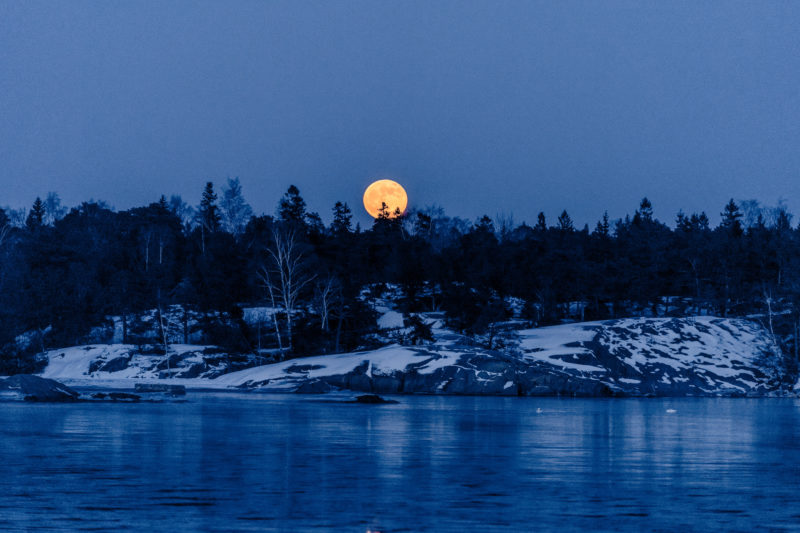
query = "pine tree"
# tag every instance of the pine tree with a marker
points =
(682, 222)
(541, 223)
(700, 221)
(645, 212)
(342, 219)
(315, 225)
(603, 227)
(485, 225)
(383, 212)
(565, 222)
(731, 218)
(208, 211)
(292, 207)
(36, 215)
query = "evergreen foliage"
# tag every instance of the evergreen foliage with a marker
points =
(62, 275)
(36, 215)
(209, 211)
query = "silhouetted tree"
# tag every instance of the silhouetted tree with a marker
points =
(565, 222)
(342, 219)
(292, 207)
(208, 211)
(36, 215)
(541, 223)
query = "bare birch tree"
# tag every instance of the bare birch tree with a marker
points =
(284, 276)
(266, 281)
(325, 296)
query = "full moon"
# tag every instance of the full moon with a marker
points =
(386, 192)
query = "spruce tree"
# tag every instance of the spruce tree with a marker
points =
(292, 207)
(485, 225)
(342, 219)
(209, 212)
(541, 223)
(731, 218)
(36, 215)
(645, 212)
(602, 228)
(565, 222)
(700, 221)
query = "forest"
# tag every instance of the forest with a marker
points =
(64, 272)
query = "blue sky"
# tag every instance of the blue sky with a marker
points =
(480, 107)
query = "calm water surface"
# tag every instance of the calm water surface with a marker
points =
(250, 462)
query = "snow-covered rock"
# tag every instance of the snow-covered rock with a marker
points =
(662, 356)
(650, 356)
(647, 356)
(35, 389)
(125, 362)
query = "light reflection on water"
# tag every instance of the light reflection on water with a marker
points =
(249, 462)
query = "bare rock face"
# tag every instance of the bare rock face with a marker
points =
(701, 356)
(35, 389)
(115, 365)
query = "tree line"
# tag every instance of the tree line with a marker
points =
(63, 272)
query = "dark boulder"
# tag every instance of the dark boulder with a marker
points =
(372, 399)
(124, 397)
(36, 389)
(193, 371)
(115, 365)
(172, 362)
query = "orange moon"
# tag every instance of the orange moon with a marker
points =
(386, 192)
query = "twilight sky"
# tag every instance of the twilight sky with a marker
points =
(481, 107)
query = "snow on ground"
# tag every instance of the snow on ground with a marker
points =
(383, 361)
(640, 355)
(726, 348)
(562, 346)
(84, 365)
(74, 362)
(116, 361)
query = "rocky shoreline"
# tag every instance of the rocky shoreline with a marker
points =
(658, 357)
(29, 388)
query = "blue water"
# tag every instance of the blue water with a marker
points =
(250, 462)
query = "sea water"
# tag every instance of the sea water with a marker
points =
(257, 462)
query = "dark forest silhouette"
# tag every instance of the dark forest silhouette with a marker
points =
(62, 274)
